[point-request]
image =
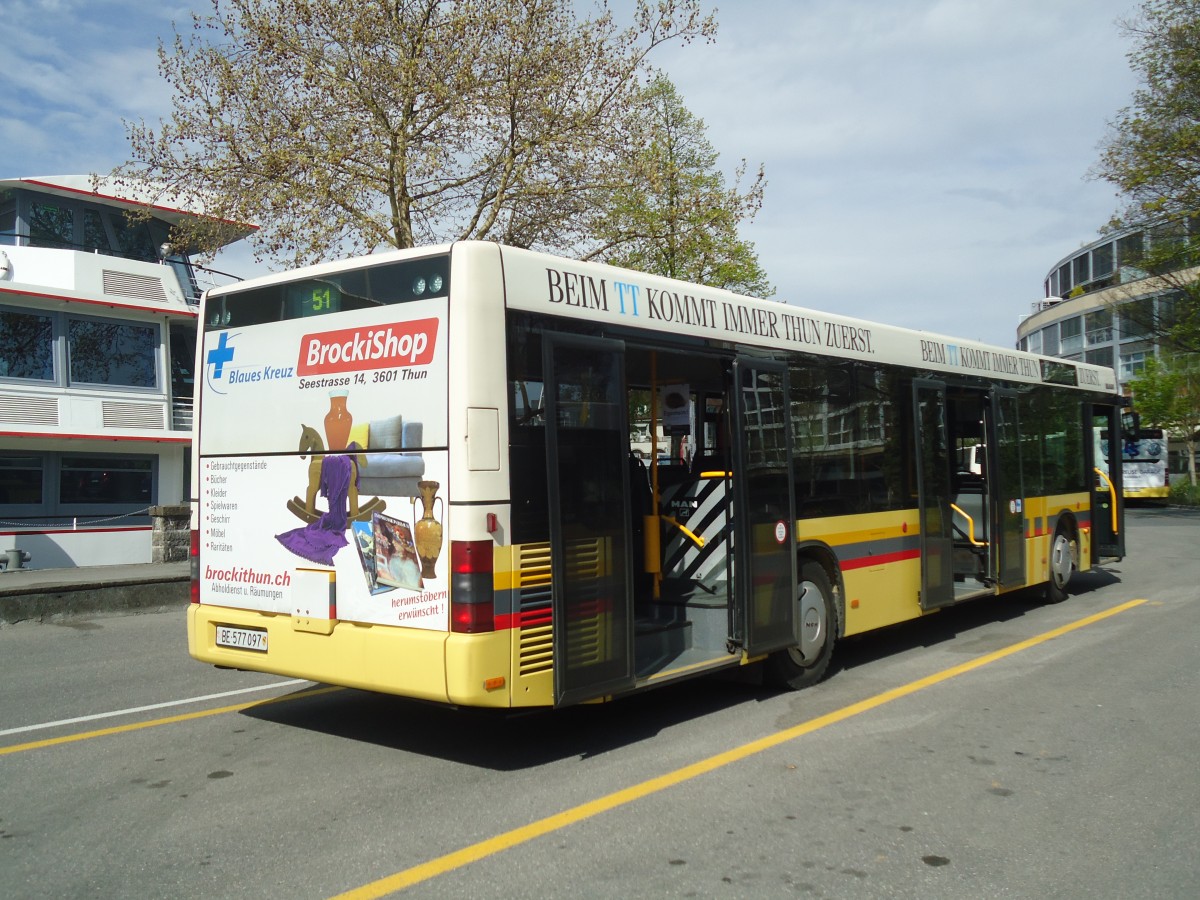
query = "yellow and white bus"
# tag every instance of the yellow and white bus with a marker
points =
(1144, 465)
(413, 474)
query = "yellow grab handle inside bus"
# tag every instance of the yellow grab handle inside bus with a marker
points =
(970, 526)
(1112, 494)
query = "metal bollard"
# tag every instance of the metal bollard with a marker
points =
(16, 558)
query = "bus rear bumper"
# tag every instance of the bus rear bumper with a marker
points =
(458, 669)
(403, 661)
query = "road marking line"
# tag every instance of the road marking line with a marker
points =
(138, 709)
(153, 723)
(509, 839)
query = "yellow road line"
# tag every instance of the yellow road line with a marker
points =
(510, 839)
(154, 723)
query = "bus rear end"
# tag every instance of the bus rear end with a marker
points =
(322, 542)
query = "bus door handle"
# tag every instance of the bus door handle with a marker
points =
(970, 526)
(1112, 494)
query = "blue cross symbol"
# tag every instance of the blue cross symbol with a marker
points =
(220, 355)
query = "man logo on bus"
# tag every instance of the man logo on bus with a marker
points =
(216, 359)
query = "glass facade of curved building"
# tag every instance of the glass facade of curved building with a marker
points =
(1101, 307)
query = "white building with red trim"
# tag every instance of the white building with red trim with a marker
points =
(97, 349)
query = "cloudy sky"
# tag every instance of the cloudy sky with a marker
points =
(926, 159)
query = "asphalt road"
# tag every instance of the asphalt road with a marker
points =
(980, 753)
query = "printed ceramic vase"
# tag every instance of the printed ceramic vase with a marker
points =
(338, 421)
(428, 531)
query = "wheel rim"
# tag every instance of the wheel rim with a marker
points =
(1060, 561)
(811, 624)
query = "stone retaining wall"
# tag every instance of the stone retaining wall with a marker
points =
(171, 540)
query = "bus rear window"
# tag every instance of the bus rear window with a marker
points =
(371, 285)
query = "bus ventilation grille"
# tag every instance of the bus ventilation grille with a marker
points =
(532, 597)
(588, 621)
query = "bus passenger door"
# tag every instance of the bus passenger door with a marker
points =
(934, 493)
(764, 506)
(1005, 487)
(588, 491)
(1108, 533)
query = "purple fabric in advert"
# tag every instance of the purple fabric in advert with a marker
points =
(320, 540)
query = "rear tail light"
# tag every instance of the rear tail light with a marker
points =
(472, 606)
(194, 559)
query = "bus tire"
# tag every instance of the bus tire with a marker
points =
(1062, 565)
(818, 615)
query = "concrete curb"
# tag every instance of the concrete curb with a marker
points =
(50, 601)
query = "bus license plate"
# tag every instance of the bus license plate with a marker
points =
(241, 638)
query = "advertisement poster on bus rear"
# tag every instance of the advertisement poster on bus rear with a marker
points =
(323, 467)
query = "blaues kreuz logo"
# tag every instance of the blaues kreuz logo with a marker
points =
(215, 362)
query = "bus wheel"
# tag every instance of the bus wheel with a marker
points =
(1062, 565)
(816, 613)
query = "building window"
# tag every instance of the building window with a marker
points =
(1064, 279)
(1167, 317)
(31, 219)
(26, 345)
(8, 222)
(1133, 363)
(1050, 340)
(1070, 335)
(1136, 319)
(94, 235)
(1035, 342)
(1100, 357)
(54, 488)
(104, 352)
(21, 479)
(106, 480)
(1129, 250)
(1098, 327)
(1102, 260)
(1080, 267)
(134, 239)
(117, 354)
(51, 225)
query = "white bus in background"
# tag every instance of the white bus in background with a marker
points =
(970, 459)
(1144, 463)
